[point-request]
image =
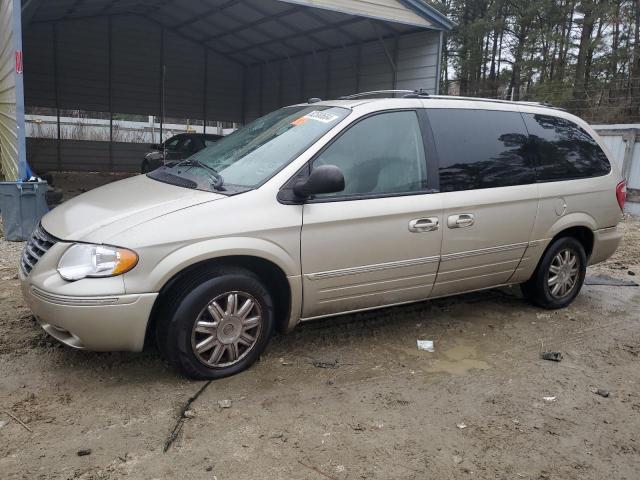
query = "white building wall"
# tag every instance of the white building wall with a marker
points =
(11, 105)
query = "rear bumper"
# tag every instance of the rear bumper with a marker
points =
(111, 323)
(605, 243)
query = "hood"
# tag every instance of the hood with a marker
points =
(98, 215)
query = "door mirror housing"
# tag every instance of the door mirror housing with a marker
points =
(323, 179)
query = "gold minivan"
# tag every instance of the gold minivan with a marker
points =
(322, 209)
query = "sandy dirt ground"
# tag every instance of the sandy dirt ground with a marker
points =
(347, 398)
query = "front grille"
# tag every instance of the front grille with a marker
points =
(39, 243)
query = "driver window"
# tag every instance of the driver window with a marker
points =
(172, 143)
(381, 154)
(187, 146)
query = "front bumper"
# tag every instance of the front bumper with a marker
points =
(99, 323)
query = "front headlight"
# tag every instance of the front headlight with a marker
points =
(84, 260)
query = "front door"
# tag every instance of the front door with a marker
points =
(378, 241)
(490, 198)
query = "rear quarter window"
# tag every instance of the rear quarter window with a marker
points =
(481, 149)
(563, 150)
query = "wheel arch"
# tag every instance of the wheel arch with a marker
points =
(579, 225)
(581, 233)
(264, 259)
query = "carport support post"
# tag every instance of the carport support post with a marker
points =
(260, 89)
(19, 92)
(328, 79)
(280, 83)
(245, 72)
(439, 62)
(161, 81)
(204, 91)
(109, 82)
(357, 66)
(396, 50)
(56, 93)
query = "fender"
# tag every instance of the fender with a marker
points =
(574, 219)
(537, 246)
(189, 255)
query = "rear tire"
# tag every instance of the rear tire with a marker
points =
(216, 324)
(559, 276)
(145, 167)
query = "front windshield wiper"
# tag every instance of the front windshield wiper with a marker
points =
(215, 178)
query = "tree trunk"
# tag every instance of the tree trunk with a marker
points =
(635, 68)
(516, 70)
(493, 84)
(579, 81)
(589, 60)
(566, 42)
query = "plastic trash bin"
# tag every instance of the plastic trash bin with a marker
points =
(22, 204)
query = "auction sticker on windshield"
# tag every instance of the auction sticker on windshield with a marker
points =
(319, 116)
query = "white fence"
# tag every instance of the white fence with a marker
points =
(95, 129)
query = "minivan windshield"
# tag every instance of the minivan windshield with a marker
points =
(254, 153)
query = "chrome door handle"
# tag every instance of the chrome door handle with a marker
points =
(428, 224)
(461, 221)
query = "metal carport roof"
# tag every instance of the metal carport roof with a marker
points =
(255, 31)
(213, 60)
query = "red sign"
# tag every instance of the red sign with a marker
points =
(19, 62)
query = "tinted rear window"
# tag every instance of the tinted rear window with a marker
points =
(564, 150)
(481, 149)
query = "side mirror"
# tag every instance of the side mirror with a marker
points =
(323, 179)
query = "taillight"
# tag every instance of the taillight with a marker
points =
(621, 194)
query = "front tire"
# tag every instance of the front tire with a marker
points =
(217, 324)
(559, 275)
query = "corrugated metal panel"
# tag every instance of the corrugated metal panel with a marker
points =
(184, 87)
(83, 64)
(224, 89)
(391, 10)
(626, 158)
(39, 83)
(136, 68)
(316, 75)
(634, 171)
(344, 71)
(376, 71)
(85, 156)
(418, 61)
(292, 86)
(136, 72)
(11, 106)
(616, 146)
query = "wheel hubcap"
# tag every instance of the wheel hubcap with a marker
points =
(227, 329)
(563, 273)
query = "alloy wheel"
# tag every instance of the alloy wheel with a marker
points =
(227, 329)
(563, 273)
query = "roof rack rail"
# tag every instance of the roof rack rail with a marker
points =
(403, 93)
(421, 93)
(495, 100)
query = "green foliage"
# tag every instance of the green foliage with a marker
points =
(583, 55)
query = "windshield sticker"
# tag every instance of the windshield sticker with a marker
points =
(299, 121)
(320, 116)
